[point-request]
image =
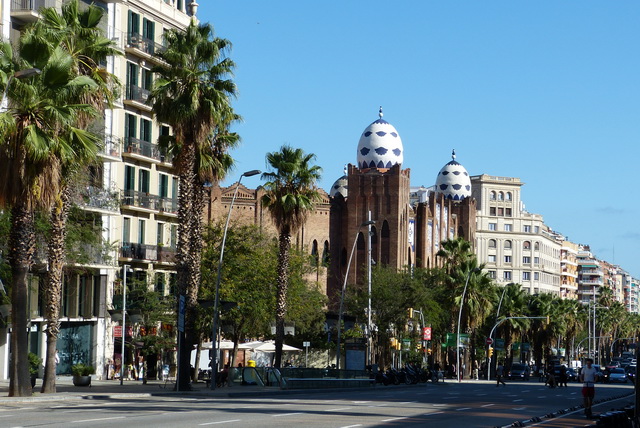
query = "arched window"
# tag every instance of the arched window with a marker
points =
(507, 245)
(508, 196)
(536, 246)
(492, 243)
(526, 245)
(314, 252)
(385, 252)
(501, 196)
(325, 254)
(492, 196)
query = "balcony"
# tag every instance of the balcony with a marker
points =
(144, 200)
(144, 149)
(139, 251)
(99, 200)
(590, 281)
(89, 255)
(166, 254)
(112, 148)
(28, 10)
(168, 206)
(136, 96)
(144, 47)
(594, 272)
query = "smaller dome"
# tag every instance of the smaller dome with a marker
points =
(453, 180)
(380, 146)
(340, 187)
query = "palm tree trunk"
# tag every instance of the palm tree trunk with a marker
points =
(22, 247)
(281, 294)
(53, 290)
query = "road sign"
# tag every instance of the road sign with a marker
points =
(426, 333)
(306, 344)
(489, 341)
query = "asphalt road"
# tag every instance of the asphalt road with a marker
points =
(469, 404)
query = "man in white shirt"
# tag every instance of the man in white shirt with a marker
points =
(588, 377)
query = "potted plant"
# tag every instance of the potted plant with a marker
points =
(34, 367)
(82, 374)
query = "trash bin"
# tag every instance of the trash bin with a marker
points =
(251, 363)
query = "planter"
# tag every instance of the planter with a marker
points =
(82, 380)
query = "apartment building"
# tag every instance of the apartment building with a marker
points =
(130, 197)
(590, 275)
(516, 245)
(569, 269)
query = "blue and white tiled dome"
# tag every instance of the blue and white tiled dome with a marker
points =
(453, 180)
(340, 187)
(380, 146)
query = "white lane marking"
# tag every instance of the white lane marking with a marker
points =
(515, 401)
(487, 405)
(288, 414)
(542, 396)
(439, 405)
(519, 408)
(361, 402)
(480, 395)
(395, 419)
(6, 416)
(338, 409)
(463, 408)
(221, 422)
(98, 419)
(351, 426)
(434, 413)
(526, 390)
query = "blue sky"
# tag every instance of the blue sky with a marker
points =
(547, 91)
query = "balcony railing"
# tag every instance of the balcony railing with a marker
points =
(590, 281)
(90, 255)
(144, 44)
(140, 199)
(144, 148)
(130, 250)
(136, 93)
(112, 146)
(98, 198)
(168, 205)
(31, 5)
(166, 254)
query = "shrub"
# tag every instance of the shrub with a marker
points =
(82, 369)
(34, 363)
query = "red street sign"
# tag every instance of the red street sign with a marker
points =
(489, 341)
(426, 333)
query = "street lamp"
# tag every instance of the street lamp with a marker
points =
(214, 331)
(124, 320)
(464, 292)
(344, 287)
(491, 339)
(20, 74)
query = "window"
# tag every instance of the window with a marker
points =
(536, 246)
(141, 227)
(507, 275)
(492, 274)
(132, 80)
(145, 130)
(129, 178)
(491, 258)
(492, 211)
(492, 196)
(174, 236)
(133, 24)
(507, 259)
(163, 185)
(536, 229)
(526, 229)
(507, 245)
(508, 227)
(526, 276)
(536, 260)
(493, 226)
(508, 196)
(126, 230)
(536, 276)
(143, 180)
(501, 212)
(501, 196)
(160, 234)
(147, 79)
(507, 212)
(492, 243)
(526, 245)
(526, 260)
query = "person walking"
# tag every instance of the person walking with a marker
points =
(563, 376)
(588, 377)
(499, 374)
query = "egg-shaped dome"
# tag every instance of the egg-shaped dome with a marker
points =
(380, 146)
(453, 180)
(340, 187)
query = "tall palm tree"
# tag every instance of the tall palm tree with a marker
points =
(193, 95)
(38, 130)
(514, 304)
(290, 194)
(79, 34)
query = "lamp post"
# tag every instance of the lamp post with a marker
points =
(124, 320)
(369, 336)
(344, 286)
(214, 330)
(497, 314)
(20, 74)
(464, 292)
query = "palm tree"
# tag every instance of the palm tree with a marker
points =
(79, 34)
(514, 304)
(193, 95)
(290, 194)
(38, 130)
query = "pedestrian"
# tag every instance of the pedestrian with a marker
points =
(588, 377)
(499, 374)
(551, 377)
(563, 376)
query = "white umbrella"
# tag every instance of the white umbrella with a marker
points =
(224, 344)
(268, 346)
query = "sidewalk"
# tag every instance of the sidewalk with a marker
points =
(132, 389)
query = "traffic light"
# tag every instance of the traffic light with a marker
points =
(547, 319)
(490, 351)
(410, 312)
(429, 351)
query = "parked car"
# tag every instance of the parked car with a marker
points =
(631, 373)
(572, 376)
(617, 375)
(519, 371)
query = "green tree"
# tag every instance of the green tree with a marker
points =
(193, 94)
(77, 33)
(290, 194)
(36, 131)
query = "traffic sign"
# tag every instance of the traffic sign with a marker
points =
(489, 341)
(426, 333)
